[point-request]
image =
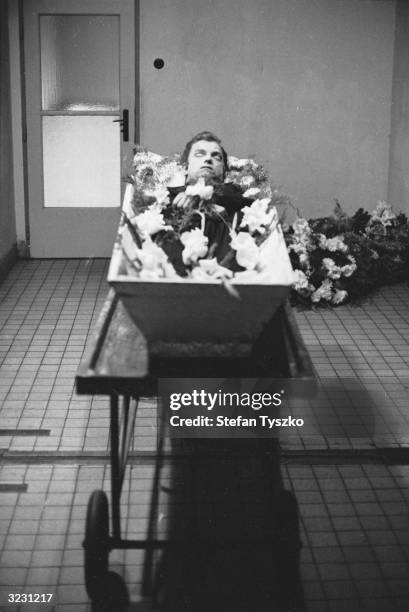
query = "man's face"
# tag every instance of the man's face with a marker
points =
(205, 160)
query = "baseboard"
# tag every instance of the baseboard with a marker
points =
(7, 261)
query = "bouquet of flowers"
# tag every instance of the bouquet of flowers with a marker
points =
(343, 257)
(221, 234)
(388, 234)
(320, 263)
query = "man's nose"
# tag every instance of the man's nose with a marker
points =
(208, 159)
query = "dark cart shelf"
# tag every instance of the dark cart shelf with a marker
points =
(117, 360)
(119, 364)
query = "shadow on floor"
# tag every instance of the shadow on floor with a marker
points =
(234, 532)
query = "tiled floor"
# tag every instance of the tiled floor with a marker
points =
(353, 506)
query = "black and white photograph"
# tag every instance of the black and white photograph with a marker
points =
(204, 305)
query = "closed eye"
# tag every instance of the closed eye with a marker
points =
(202, 153)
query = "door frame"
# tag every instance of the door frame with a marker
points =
(17, 125)
(18, 118)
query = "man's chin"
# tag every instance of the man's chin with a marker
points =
(209, 178)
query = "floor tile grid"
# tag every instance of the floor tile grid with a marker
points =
(25, 532)
(315, 519)
(14, 285)
(28, 313)
(340, 585)
(8, 338)
(62, 326)
(64, 369)
(62, 522)
(44, 285)
(18, 392)
(72, 441)
(96, 432)
(333, 580)
(345, 564)
(321, 320)
(332, 499)
(71, 588)
(312, 323)
(78, 423)
(43, 548)
(326, 421)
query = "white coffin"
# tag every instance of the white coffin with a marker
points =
(186, 310)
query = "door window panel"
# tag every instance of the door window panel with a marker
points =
(79, 62)
(81, 161)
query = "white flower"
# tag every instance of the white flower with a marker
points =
(247, 253)
(238, 164)
(300, 280)
(387, 219)
(232, 161)
(257, 216)
(247, 180)
(154, 261)
(171, 172)
(252, 192)
(339, 296)
(195, 243)
(200, 189)
(348, 269)
(145, 173)
(146, 167)
(235, 162)
(210, 269)
(298, 247)
(303, 257)
(147, 156)
(324, 292)
(301, 228)
(301, 240)
(334, 271)
(151, 221)
(333, 244)
(383, 213)
(176, 178)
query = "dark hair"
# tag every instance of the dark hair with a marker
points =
(209, 137)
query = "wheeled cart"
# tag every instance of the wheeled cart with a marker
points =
(119, 364)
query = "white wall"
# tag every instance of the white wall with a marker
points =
(303, 85)
(399, 159)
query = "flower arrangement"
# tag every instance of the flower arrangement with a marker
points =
(335, 259)
(221, 234)
(341, 257)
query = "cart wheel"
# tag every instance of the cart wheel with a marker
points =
(117, 598)
(96, 545)
(114, 597)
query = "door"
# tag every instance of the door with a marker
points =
(80, 82)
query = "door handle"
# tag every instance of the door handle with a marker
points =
(124, 123)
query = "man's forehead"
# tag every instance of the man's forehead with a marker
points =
(207, 145)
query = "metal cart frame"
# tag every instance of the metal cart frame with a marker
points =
(117, 364)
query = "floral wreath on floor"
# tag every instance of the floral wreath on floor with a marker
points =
(343, 257)
(320, 263)
(173, 241)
